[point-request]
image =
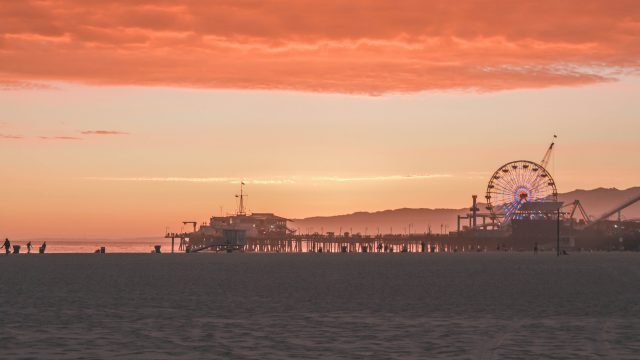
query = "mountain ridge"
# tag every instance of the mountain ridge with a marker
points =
(595, 201)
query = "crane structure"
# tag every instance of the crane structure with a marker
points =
(547, 155)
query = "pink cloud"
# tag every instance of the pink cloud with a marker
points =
(59, 138)
(103, 132)
(357, 46)
(10, 137)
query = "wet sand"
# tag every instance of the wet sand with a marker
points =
(351, 306)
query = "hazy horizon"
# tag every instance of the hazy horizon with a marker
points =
(592, 203)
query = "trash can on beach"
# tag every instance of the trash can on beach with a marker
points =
(103, 250)
(16, 249)
(157, 249)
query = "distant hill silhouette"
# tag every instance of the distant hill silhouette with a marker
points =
(598, 201)
(595, 202)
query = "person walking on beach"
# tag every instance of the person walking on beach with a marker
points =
(29, 247)
(43, 247)
(7, 246)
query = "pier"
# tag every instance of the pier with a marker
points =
(323, 243)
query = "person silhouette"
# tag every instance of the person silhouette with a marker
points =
(43, 247)
(29, 247)
(7, 245)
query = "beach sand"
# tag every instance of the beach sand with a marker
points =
(351, 306)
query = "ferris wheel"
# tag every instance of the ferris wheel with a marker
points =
(516, 183)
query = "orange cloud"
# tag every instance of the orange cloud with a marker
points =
(11, 85)
(357, 46)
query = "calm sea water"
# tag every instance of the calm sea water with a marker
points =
(81, 246)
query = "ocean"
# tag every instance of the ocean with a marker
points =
(83, 246)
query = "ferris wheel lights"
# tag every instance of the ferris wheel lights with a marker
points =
(519, 184)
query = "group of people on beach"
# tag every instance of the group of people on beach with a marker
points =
(16, 249)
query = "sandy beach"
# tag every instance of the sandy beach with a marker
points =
(274, 306)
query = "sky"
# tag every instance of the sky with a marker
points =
(123, 118)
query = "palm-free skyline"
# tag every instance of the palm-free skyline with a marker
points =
(119, 118)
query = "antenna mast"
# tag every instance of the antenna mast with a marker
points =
(241, 197)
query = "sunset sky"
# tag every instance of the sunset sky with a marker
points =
(119, 118)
